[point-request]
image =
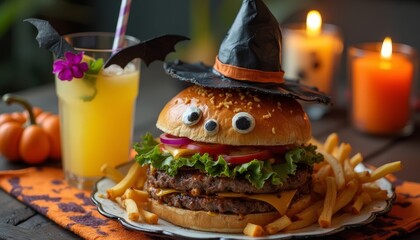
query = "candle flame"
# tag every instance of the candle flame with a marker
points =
(386, 50)
(313, 23)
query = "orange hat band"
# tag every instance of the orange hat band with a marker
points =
(239, 73)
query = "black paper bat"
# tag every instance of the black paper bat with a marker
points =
(49, 39)
(149, 51)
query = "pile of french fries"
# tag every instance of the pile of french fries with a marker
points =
(128, 192)
(337, 188)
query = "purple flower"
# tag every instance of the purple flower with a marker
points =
(71, 67)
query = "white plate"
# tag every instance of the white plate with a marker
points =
(111, 209)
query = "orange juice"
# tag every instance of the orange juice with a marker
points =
(98, 131)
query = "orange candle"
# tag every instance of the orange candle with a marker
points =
(381, 90)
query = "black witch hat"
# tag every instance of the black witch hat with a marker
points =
(249, 58)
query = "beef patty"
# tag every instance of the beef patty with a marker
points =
(200, 183)
(213, 203)
(197, 191)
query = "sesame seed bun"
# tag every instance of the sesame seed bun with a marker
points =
(274, 120)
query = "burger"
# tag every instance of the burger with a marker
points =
(227, 157)
(234, 146)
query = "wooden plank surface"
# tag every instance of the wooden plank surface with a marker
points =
(13, 212)
(18, 221)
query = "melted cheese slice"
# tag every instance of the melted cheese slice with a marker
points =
(161, 192)
(279, 201)
(178, 152)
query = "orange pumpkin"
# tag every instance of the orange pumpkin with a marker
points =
(34, 145)
(28, 141)
(10, 134)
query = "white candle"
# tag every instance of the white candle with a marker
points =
(311, 53)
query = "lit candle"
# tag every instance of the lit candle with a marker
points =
(311, 51)
(313, 23)
(381, 83)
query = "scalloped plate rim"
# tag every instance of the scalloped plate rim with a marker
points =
(295, 234)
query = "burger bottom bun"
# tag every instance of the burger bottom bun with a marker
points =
(207, 221)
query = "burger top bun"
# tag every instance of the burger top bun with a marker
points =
(234, 117)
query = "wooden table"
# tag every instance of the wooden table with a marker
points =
(17, 221)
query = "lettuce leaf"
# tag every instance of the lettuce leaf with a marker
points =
(256, 172)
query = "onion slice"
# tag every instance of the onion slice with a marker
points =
(169, 139)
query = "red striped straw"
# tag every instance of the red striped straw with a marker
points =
(122, 24)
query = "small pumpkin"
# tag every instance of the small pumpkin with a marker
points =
(10, 134)
(27, 141)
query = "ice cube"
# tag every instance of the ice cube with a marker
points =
(113, 70)
(130, 68)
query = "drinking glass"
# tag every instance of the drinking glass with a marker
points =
(96, 111)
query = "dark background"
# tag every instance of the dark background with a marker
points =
(24, 65)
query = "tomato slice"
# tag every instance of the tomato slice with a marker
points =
(244, 155)
(211, 149)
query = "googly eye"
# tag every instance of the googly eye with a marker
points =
(191, 116)
(211, 127)
(243, 122)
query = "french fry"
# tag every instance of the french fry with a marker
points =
(140, 181)
(132, 209)
(330, 143)
(299, 205)
(111, 173)
(311, 209)
(127, 182)
(139, 196)
(253, 230)
(323, 172)
(142, 178)
(370, 187)
(348, 170)
(330, 197)
(337, 170)
(278, 225)
(385, 169)
(361, 200)
(319, 187)
(379, 195)
(345, 196)
(343, 152)
(366, 198)
(363, 177)
(310, 218)
(356, 159)
(120, 202)
(148, 217)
